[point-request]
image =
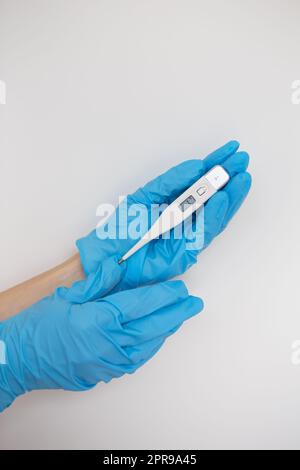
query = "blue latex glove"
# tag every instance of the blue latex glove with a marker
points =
(165, 258)
(60, 344)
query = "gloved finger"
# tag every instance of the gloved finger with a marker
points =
(166, 187)
(220, 155)
(214, 214)
(161, 322)
(237, 163)
(143, 301)
(206, 223)
(219, 206)
(142, 352)
(237, 190)
(96, 285)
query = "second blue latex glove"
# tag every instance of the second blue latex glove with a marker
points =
(60, 344)
(166, 258)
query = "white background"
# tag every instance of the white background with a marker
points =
(104, 95)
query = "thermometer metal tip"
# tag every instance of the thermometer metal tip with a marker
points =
(189, 201)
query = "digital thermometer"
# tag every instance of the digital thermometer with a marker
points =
(189, 201)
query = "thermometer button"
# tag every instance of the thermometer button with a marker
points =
(202, 190)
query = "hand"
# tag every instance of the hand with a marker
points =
(165, 258)
(57, 344)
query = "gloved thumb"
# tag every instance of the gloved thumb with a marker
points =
(96, 285)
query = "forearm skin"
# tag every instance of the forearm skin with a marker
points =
(20, 297)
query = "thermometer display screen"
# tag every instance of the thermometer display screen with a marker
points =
(189, 201)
